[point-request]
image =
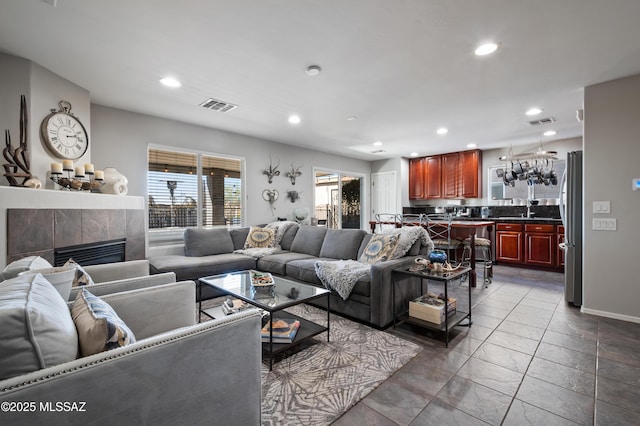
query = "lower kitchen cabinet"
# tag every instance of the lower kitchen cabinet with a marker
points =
(540, 245)
(509, 244)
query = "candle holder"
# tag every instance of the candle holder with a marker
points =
(77, 182)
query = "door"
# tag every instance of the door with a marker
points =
(383, 193)
(433, 180)
(450, 166)
(338, 199)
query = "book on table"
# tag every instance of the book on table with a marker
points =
(284, 331)
(233, 306)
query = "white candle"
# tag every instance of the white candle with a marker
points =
(88, 168)
(79, 171)
(67, 164)
(99, 175)
(56, 168)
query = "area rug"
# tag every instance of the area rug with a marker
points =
(317, 384)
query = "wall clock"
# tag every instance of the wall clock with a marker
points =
(63, 133)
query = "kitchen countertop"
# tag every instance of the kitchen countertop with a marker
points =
(517, 219)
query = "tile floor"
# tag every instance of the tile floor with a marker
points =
(528, 359)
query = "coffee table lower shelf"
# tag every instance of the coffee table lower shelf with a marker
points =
(307, 330)
(453, 320)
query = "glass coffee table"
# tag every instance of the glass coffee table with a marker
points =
(283, 294)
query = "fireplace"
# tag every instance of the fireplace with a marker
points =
(91, 254)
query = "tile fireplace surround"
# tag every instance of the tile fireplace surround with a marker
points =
(35, 222)
(40, 231)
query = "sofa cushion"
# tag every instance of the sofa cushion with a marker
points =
(277, 263)
(309, 240)
(28, 263)
(239, 236)
(99, 327)
(193, 268)
(260, 238)
(289, 235)
(380, 248)
(342, 243)
(37, 330)
(204, 242)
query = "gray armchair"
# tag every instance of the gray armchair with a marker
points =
(178, 371)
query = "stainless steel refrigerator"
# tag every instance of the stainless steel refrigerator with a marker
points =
(571, 214)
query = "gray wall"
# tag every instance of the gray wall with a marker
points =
(121, 138)
(611, 156)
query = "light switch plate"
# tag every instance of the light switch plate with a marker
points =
(604, 224)
(602, 207)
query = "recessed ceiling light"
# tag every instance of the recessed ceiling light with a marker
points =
(550, 133)
(377, 143)
(313, 70)
(414, 154)
(353, 117)
(472, 145)
(442, 131)
(486, 49)
(170, 82)
(533, 111)
(294, 119)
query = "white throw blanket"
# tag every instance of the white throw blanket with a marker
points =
(341, 275)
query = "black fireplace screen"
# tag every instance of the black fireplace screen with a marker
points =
(92, 254)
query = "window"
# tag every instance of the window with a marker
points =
(193, 189)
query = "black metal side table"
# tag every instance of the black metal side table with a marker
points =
(450, 321)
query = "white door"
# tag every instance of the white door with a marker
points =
(383, 193)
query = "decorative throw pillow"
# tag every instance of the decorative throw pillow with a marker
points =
(25, 264)
(99, 327)
(81, 278)
(379, 249)
(260, 238)
(37, 330)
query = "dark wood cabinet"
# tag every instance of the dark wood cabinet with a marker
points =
(509, 244)
(540, 245)
(450, 172)
(416, 178)
(559, 251)
(433, 178)
(453, 175)
(470, 174)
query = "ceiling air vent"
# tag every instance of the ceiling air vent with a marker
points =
(547, 120)
(218, 105)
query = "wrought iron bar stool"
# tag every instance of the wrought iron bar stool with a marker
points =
(411, 219)
(386, 221)
(483, 255)
(439, 229)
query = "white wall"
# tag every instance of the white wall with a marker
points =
(611, 161)
(121, 138)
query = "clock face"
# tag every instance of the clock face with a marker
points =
(64, 135)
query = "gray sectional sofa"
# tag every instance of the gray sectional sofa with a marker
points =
(210, 252)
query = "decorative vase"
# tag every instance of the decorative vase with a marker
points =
(438, 256)
(114, 182)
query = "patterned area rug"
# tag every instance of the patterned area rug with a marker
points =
(317, 384)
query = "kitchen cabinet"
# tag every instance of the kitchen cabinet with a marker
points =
(416, 178)
(509, 244)
(432, 177)
(540, 245)
(452, 175)
(559, 251)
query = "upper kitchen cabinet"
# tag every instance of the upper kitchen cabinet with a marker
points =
(452, 175)
(416, 178)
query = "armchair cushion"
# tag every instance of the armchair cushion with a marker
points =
(37, 330)
(28, 263)
(99, 327)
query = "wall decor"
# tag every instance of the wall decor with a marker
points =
(271, 195)
(63, 133)
(294, 173)
(18, 159)
(294, 195)
(272, 171)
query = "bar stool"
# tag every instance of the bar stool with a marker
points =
(483, 255)
(439, 229)
(412, 219)
(386, 221)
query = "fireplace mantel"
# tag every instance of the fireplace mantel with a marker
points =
(81, 202)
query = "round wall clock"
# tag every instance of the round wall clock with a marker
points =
(63, 134)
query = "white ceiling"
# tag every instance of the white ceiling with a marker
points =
(403, 67)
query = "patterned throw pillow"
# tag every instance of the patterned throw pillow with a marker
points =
(81, 278)
(379, 249)
(99, 327)
(260, 238)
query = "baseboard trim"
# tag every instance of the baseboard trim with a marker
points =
(610, 315)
